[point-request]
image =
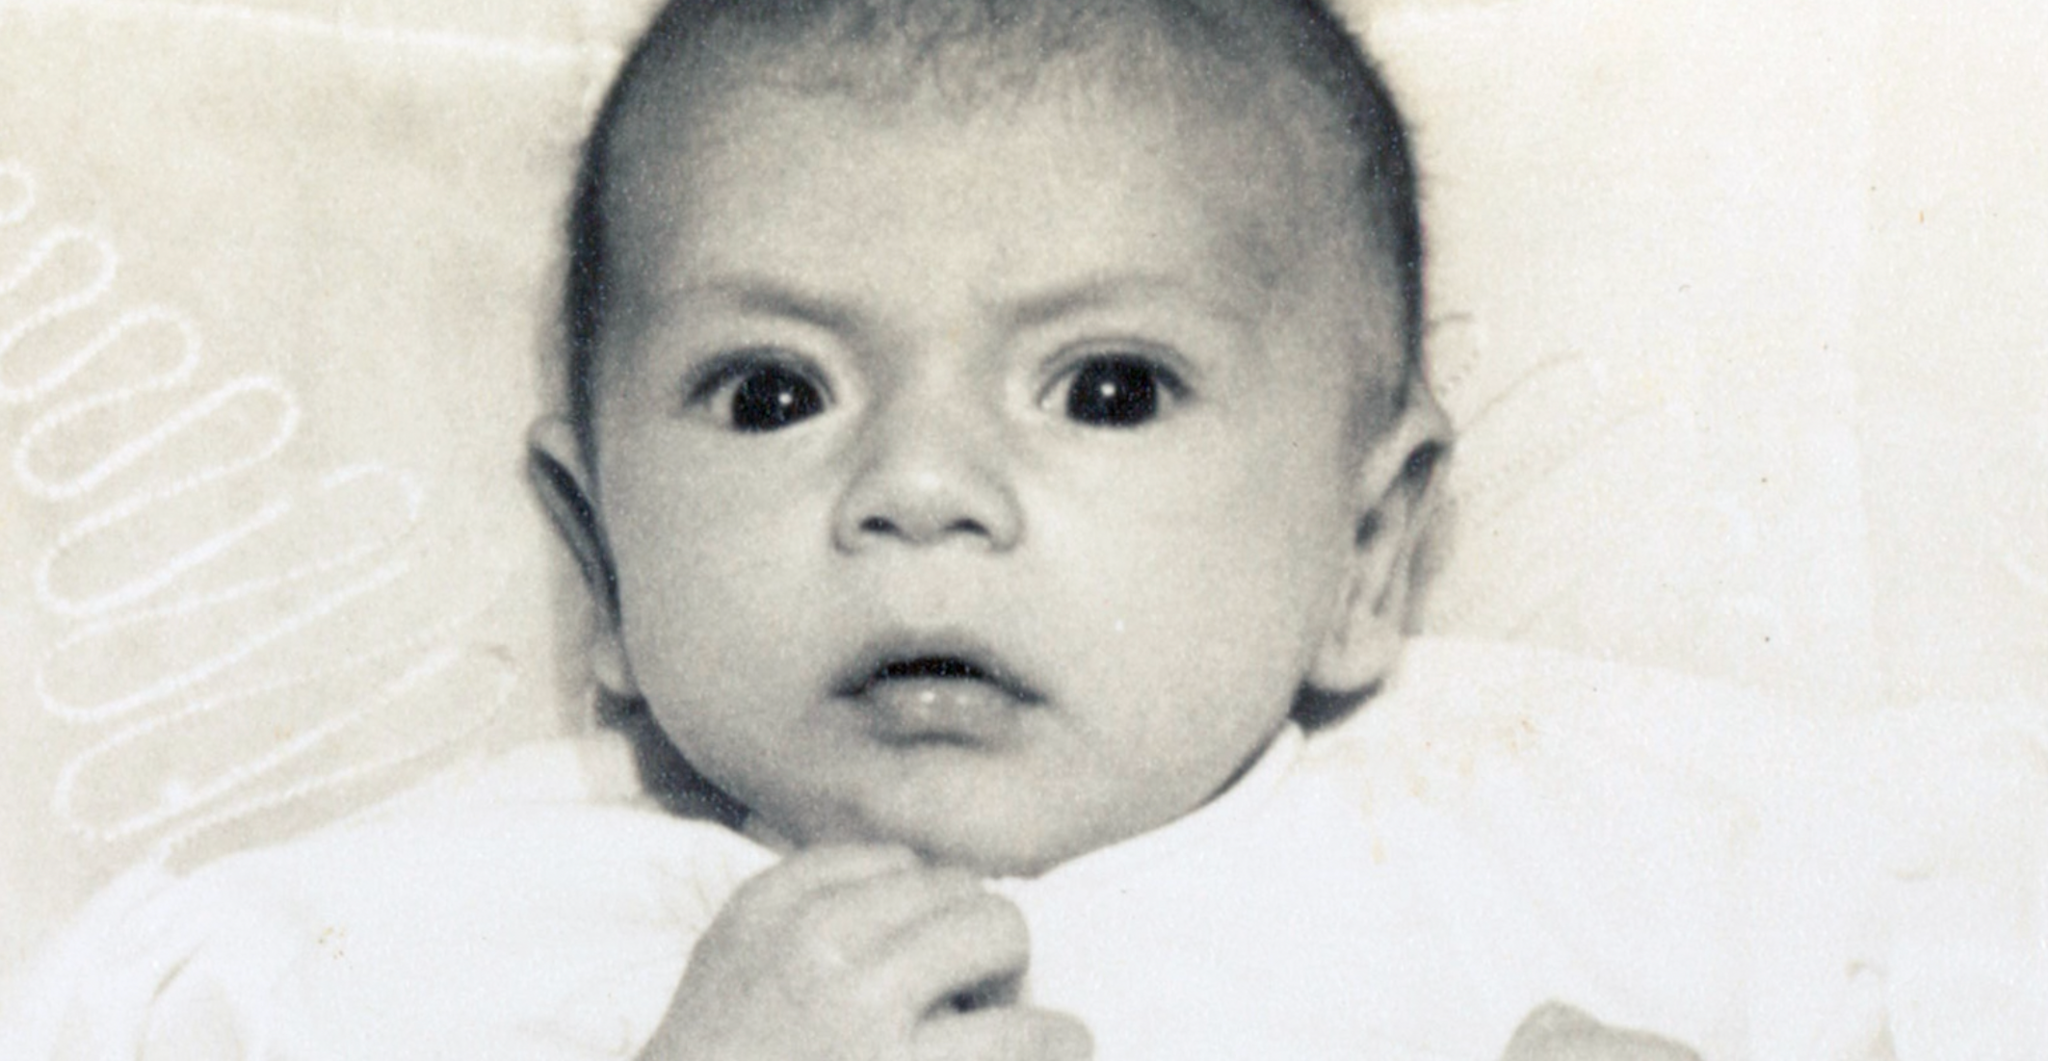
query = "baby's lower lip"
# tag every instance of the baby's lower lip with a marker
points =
(968, 712)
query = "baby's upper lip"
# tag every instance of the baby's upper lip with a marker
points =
(936, 656)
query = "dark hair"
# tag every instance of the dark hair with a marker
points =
(1303, 37)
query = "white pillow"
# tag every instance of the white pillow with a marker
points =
(1739, 316)
(274, 289)
(1645, 217)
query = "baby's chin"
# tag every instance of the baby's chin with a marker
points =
(1003, 857)
(988, 845)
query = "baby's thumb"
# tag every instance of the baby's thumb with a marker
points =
(1004, 1033)
(1557, 1032)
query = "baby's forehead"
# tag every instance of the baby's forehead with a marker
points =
(767, 183)
(1221, 117)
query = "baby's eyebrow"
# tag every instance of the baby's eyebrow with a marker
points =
(1107, 292)
(772, 298)
(768, 296)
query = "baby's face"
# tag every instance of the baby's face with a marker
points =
(982, 483)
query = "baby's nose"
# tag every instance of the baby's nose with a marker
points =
(930, 473)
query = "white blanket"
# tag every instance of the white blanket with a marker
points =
(1503, 828)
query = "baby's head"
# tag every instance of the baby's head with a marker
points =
(991, 417)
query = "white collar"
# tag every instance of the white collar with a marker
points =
(1193, 831)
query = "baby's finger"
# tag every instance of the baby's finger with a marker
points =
(964, 945)
(846, 929)
(862, 915)
(1008, 1033)
(820, 868)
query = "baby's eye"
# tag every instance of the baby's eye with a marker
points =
(1118, 390)
(756, 396)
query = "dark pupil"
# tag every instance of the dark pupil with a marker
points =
(1113, 392)
(769, 398)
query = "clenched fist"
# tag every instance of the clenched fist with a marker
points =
(861, 954)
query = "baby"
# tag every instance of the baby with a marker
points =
(997, 435)
(990, 422)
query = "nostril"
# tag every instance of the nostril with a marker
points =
(886, 527)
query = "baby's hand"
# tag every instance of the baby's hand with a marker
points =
(1560, 1033)
(860, 953)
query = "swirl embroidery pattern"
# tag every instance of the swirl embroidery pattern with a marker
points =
(233, 633)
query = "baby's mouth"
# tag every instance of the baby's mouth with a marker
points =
(955, 696)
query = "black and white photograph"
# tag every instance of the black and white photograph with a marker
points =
(1023, 530)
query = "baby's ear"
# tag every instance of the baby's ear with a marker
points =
(562, 481)
(1397, 482)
